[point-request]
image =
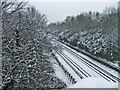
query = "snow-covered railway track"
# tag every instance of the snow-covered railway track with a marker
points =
(108, 76)
(82, 71)
(71, 65)
(86, 74)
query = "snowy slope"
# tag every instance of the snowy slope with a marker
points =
(60, 74)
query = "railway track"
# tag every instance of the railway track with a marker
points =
(86, 74)
(105, 63)
(67, 61)
(81, 72)
(103, 73)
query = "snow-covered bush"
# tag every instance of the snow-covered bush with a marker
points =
(26, 49)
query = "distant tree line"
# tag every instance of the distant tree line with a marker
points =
(26, 49)
(94, 32)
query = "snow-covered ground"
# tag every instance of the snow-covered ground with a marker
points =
(60, 74)
(95, 81)
(71, 71)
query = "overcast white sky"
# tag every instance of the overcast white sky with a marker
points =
(57, 10)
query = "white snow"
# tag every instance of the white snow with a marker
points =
(91, 72)
(94, 82)
(60, 74)
(71, 71)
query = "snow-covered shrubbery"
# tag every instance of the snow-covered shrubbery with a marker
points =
(26, 61)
